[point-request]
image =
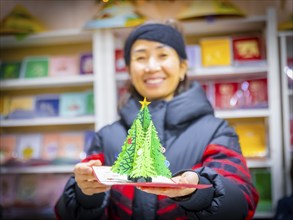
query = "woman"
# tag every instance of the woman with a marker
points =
(199, 147)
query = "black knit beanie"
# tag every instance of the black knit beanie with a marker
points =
(162, 33)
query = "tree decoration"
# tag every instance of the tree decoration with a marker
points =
(141, 157)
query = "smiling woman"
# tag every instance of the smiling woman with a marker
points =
(200, 148)
(155, 69)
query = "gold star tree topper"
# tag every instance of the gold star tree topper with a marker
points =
(144, 103)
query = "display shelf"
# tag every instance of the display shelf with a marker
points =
(286, 42)
(212, 26)
(28, 213)
(258, 162)
(242, 113)
(224, 25)
(263, 215)
(218, 72)
(50, 82)
(47, 38)
(88, 119)
(229, 71)
(37, 169)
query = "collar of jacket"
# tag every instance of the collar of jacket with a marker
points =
(176, 113)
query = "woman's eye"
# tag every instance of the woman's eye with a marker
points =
(140, 58)
(163, 55)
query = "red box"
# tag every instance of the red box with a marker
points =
(258, 92)
(119, 61)
(247, 49)
(225, 95)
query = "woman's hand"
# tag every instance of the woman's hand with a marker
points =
(187, 177)
(86, 179)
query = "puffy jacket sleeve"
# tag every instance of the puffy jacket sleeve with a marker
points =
(73, 204)
(223, 166)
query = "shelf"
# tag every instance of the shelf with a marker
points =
(222, 25)
(242, 113)
(48, 121)
(50, 82)
(219, 72)
(47, 38)
(258, 162)
(229, 71)
(215, 26)
(28, 213)
(37, 169)
(263, 215)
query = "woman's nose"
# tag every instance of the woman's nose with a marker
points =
(153, 65)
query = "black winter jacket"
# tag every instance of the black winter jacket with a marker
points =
(194, 139)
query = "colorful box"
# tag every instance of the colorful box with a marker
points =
(71, 146)
(86, 65)
(10, 70)
(35, 67)
(25, 103)
(120, 65)
(262, 180)
(252, 138)
(90, 103)
(216, 52)
(7, 148)
(257, 93)
(247, 49)
(63, 66)
(29, 146)
(72, 104)
(47, 105)
(50, 146)
(4, 106)
(225, 95)
(193, 56)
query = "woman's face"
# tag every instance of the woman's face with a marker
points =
(155, 69)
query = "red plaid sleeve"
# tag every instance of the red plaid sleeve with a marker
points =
(231, 165)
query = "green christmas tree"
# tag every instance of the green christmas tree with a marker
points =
(141, 157)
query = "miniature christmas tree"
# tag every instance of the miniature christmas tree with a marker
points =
(141, 157)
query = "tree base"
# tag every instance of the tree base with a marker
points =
(140, 179)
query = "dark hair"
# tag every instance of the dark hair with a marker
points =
(177, 43)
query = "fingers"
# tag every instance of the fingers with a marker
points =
(86, 168)
(86, 180)
(91, 191)
(189, 177)
(95, 163)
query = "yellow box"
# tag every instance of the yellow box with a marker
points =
(216, 52)
(252, 137)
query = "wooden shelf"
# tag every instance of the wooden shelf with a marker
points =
(48, 121)
(37, 169)
(48, 82)
(47, 38)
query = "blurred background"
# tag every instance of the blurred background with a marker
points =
(62, 75)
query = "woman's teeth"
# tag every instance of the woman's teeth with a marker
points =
(154, 81)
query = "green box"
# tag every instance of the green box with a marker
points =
(35, 67)
(262, 181)
(10, 70)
